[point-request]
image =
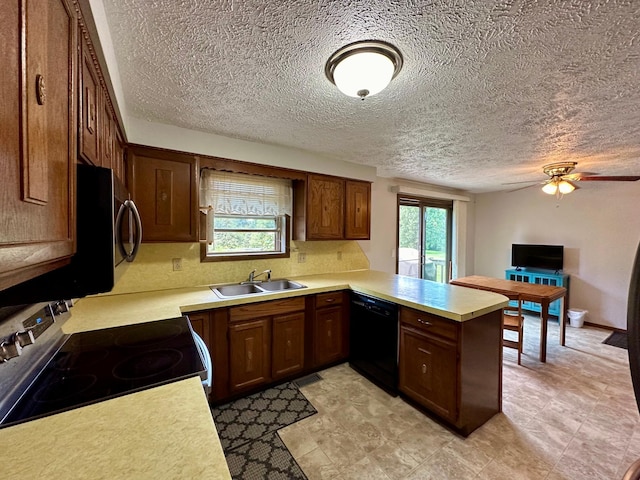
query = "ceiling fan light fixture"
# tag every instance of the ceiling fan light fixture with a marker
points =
(550, 188)
(565, 187)
(365, 68)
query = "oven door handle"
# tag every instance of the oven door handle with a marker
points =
(206, 359)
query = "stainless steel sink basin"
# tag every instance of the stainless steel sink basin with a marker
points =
(226, 291)
(237, 290)
(277, 285)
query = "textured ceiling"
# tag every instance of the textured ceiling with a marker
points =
(490, 91)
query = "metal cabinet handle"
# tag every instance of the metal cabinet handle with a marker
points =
(424, 368)
(329, 300)
(425, 322)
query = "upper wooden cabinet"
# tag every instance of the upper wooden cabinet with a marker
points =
(357, 214)
(325, 208)
(99, 139)
(90, 105)
(37, 138)
(331, 208)
(164, 186)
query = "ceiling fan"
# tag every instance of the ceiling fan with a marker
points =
(562, 181)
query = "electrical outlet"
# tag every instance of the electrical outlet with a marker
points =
(302, 257)
(339, 255)
(177, 264)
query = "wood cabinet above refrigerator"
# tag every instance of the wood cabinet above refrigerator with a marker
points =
(164, 186)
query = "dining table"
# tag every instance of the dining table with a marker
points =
(532, 292)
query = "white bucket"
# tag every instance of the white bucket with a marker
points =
(576, 317)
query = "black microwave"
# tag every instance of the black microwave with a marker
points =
(108, 233)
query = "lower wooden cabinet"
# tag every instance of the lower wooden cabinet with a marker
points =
(452, 369)
(428, 368)
(201, 325)
(330, 328)
(288, 345)
(250, 354)
(257, 344)
(266, 342)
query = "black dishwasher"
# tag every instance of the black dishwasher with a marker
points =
(373, 344)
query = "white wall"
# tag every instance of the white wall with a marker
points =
(176, 138)
(381, 248)
(598, 225)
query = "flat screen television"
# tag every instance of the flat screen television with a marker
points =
(548, 257)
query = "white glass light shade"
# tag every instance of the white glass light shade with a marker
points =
(363, 74)
(565, 187)
(550, 188)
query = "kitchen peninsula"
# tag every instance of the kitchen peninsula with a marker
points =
(167, 432)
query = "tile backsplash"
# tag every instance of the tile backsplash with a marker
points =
(153, 268)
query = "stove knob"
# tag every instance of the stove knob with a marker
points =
(59, 307)
(24, 338)
(9, 350)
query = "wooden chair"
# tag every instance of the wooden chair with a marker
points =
(513, 320)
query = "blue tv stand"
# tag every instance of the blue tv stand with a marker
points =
(540, 277)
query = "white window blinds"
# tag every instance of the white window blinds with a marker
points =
(225, 193)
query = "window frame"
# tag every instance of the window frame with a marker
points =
(285, 232)
(225, 257)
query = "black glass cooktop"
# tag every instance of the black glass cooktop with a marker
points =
(102, 364)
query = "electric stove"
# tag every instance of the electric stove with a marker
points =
(98, 365)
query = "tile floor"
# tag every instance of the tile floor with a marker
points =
(574, 417)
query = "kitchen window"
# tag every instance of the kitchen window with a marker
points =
(245, 216)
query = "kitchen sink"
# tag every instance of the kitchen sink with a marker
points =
(237, 290)
(226, 291)
(277, 285)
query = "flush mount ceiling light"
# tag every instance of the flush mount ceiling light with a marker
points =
(363, 69)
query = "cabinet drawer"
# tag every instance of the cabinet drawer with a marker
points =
(265, 309)
(328, 299)
(429, 323)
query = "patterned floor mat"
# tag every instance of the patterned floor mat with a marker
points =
(265, 458)
(248, 432)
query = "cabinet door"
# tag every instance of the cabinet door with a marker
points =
(201, 325)
(90, 96)
(118, 157)
(288, 344)
(38, 59)
(428, 371)
(106, 134)
(325, 208)
(328, 332)
(357, 210)
(164, 188)
(249, 354)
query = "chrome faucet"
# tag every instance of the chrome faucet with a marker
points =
(253, 276)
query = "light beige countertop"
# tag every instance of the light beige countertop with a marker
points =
(166, 432)
(449, 301)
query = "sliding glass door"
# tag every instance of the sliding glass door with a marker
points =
(424, 238)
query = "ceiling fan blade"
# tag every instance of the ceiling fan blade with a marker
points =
(574, 177)
(615, 178)
(525, 181)
(521, 188)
